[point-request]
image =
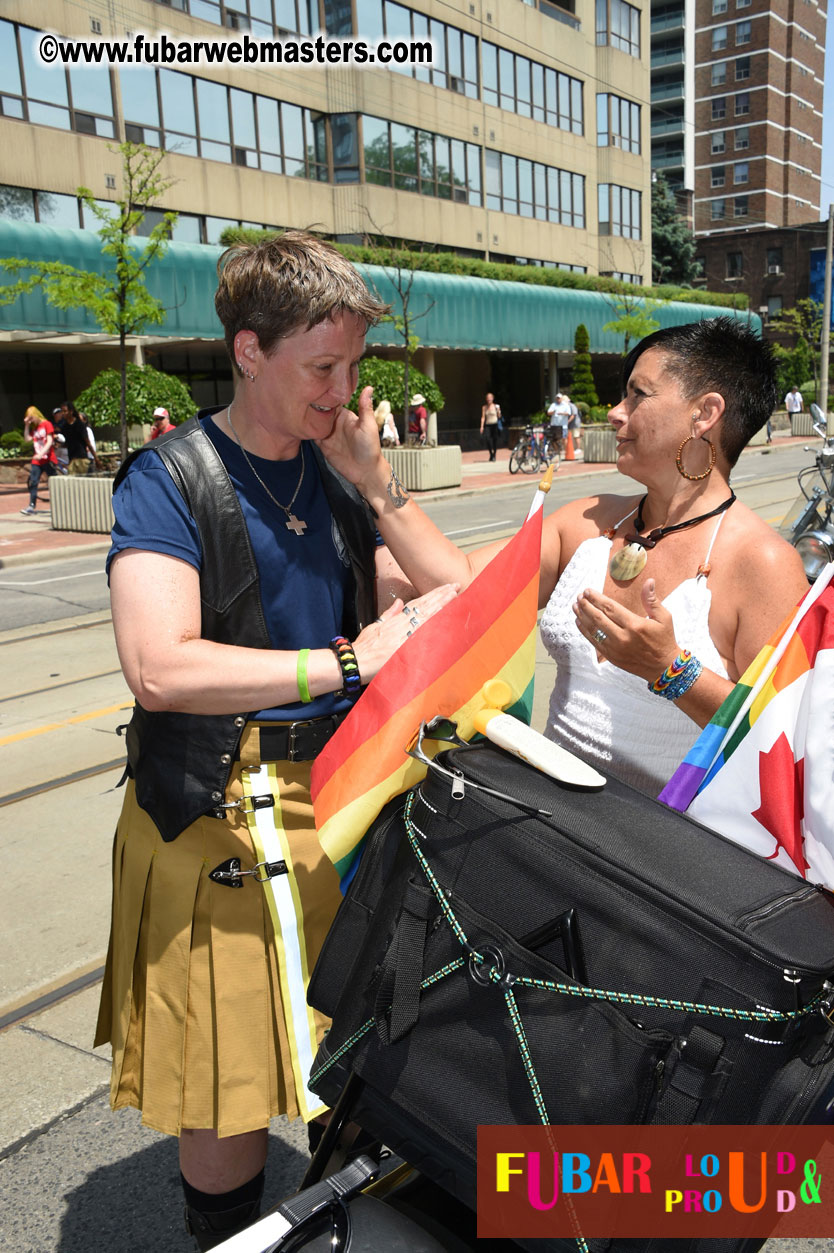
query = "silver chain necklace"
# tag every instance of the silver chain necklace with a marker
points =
(294, 524)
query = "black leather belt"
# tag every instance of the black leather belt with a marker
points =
(297, 741)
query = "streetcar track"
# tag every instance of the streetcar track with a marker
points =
(31, 634)
(38, 789)
(54, 687)
(47, 999)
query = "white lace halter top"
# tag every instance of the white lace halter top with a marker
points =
(603, 713)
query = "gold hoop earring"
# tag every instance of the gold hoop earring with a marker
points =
(693, 478)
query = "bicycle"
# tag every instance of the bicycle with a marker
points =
(533, 452)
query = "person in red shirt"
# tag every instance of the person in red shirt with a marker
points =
(162, 424)
(44, 462)
(417, 421)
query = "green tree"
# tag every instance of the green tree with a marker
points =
(118, 299)
(582, 388)
(387, 380)
(634, 315)
(673, 245)
(804, 321)
(146, 388)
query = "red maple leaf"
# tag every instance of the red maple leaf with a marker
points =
(782, 789)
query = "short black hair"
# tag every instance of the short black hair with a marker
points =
(719, 355)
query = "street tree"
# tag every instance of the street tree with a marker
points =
(803, 321)
(634, 315)
(118, 298)
(673, 244)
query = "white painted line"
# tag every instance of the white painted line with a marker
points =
(59, 578)
(487, 526)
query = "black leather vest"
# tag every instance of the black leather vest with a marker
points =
(181, 762)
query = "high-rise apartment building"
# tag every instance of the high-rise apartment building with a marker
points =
(525, 139)
(737, 108)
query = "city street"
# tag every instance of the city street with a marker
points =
(75, 1178)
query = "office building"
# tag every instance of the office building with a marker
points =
(736, 93)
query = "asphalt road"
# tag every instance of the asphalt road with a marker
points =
(74, 1177)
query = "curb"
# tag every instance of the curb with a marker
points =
(53, 554)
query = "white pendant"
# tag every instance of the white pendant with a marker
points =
(628, 562)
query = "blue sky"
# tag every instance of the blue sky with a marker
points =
(827, 180)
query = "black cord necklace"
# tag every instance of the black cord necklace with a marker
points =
(630, 560)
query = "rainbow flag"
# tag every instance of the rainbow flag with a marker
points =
(487, 632)
(762, 771)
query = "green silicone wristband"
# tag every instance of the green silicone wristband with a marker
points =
(301, 675)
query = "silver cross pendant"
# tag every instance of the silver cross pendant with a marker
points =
(295, 524)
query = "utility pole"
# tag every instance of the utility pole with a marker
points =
(825, 337)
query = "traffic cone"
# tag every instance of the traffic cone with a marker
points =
(570, 455)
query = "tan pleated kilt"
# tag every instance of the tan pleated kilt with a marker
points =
(192, 1001)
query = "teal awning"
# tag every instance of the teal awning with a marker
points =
(462, 312)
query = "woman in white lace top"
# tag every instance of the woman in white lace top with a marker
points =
(632, 584)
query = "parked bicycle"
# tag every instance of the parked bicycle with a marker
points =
(534, 452)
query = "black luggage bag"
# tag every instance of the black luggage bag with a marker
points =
(614, 962)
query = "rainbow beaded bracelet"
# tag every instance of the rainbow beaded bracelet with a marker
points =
(346, 657)
(678, 676)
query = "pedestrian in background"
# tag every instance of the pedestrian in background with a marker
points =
(574, 421)
(41, 432)
(162, 424)
(417, 419)
(388, 433)
(558, 414)
(490, 419)
(73, 426)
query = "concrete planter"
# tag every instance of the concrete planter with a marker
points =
(599, 443)
(422, 469)
(759, 438)
(81, 503)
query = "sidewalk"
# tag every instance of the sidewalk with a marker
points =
(27, 539)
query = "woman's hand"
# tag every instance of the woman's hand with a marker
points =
(379, 641)
(353, 447)
(642, 646)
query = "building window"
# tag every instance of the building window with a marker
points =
(741, 172)
(742, 206)
(532, 190)
(774, 306)
(530, 89)
(620, 211)
(743, 4)
(78, 100)
(718, 209)
(717, 176)
(416, 160)
(744, 31)
(774, 260)
(719, 108)
(742, 103)
(719, 38)
(718, 142)
(719, 6)
(735, 265)
(196, 117)
(622, 276)
(455, 52)
(742, 68)
(718, 74)
(618, 24)
(618, 123)
(742, 138)
(261, 17)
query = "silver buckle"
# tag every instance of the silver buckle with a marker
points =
(248, 804)
(293, 731)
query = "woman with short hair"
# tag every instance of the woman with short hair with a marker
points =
(251, 602)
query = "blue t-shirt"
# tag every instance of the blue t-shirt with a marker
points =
(305, 580)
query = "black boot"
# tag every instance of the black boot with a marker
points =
(211, 1219)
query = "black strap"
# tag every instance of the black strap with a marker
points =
(693, 1072)
(397, 1001)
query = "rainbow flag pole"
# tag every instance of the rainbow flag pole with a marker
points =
(487, 632)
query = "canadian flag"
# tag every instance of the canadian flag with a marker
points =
(762, 771)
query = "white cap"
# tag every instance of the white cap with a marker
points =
(160, 412)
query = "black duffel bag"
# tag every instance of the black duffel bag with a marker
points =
(613, 962)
